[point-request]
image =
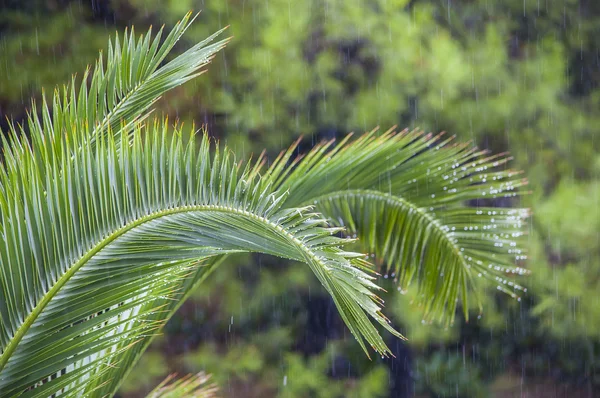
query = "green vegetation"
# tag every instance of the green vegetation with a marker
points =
(110, 221)
(518, 76)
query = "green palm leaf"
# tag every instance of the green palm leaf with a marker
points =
(108, 221)
(123, 87)
(126, 226)
(419, 205)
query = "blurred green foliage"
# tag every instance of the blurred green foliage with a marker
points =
(516, 75)
(450, 375)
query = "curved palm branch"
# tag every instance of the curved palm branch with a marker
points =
(421, 206)
(100, 225)
(108, 222)
(109, 231)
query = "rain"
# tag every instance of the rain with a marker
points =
(219, 230)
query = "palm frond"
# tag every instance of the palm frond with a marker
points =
(108, 221)
(123, 88)
(423, 206)
(110, 231)
(192, 386)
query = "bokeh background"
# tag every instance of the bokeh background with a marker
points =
(509, 75)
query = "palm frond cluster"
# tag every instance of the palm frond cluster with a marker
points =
(109, 221)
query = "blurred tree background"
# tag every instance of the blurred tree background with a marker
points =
(510, 75)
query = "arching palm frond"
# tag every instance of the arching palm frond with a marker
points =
(426, 208)
(113, 229)
(104, 219)
(108, 221)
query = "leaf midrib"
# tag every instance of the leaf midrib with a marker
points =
(30, 319)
